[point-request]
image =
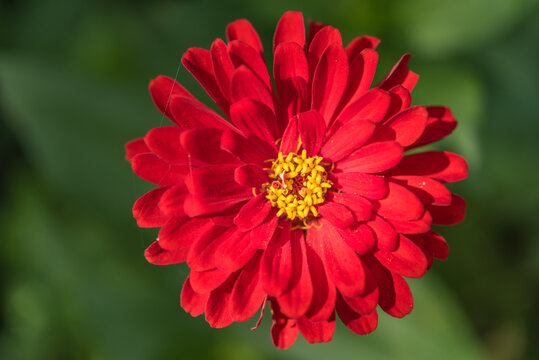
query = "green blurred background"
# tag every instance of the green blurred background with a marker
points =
(73, 89)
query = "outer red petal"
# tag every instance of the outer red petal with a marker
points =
(146, 209)
(165, 142)
(407, 260)
(439, 165)
(191, 301)
(162, 89)
(247, 294)
(372, 158)
(155, 170)
(440, 124)
(323, 38)
(217, 308)
(283, 330)
(276, 266)
(203, 282)
(290, 28)
(360, 324)
(244, 31)
(451, 214)
(222, 66)
(234, 252)
(356, 46)
(400, 75)
(159, 256)
(405, 127)
(296, 300)
(316, 332)
(135, 147)
(400, 204)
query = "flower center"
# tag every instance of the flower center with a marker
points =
(299, 183)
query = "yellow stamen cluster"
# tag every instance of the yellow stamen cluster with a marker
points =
(299, 184)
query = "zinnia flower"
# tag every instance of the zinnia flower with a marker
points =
(303, 195)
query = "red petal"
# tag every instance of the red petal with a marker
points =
(146, 209)
(243, 54)
(190, 113)
(283, 329)
(312, 129)
(201, 257)
(429, 191)
(440, 124)
(290, 28)
(289, 70)
(316, 332)
(192, 302)
(247, 150)
(234, 252)
(290, 137)
(135, 147)
(245, 84)
(362, 69)
(400, 204)
(343, 265)
(261, 235)
(155, 170)
(214, 181)
(369, 186)
(324, 293)
(197, 205)
(314, 28)
(165, 143)
(400, 75)
(253, 213)
(417, 226)
(247, 294)
(407, 260)
(276, 266)
(372, 106)
(360, 324)
(295, 95)
(372, 158)
(436, 244)
(323, 38)
(356, 46)
(360, 207)
(400, 99)
(244, 31)
(439, 165)
(171, 202)
(337, 214)
(329, 81)
(297, 299)
(359, 237)
(162, 89)
(199, 63)
(217, 307)
(395, 295)
(205, 145)
(254, 118)
(367, 302)
(448, 215)
(159, 256)
(180, 233)
(346, 139)
(203, 282)
(250, 175)
(222, 66)
(386, 236)
(405, 127)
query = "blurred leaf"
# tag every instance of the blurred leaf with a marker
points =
(441, 28)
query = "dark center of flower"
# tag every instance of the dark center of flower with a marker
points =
(298, 184)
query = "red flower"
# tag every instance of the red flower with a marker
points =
(307, 198)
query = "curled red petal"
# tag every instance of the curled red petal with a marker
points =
(156, 255)
(276, 266)
(247, 295)
(162, 89)
(439, 165)
(400, 204)
(400, 75)
(192, 302)
(147, 211)
(155, 170)
(360, 324)
(203, 282)
(135, 147)
(244, 31)
(450, 214)
(284, 331)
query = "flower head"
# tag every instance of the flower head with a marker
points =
(303, 196)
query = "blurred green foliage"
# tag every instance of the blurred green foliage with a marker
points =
(73, 79)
